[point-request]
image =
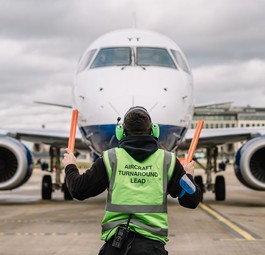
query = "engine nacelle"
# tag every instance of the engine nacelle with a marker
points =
(250, 164)
(15, 163)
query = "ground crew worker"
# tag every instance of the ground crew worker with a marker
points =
(138, 176)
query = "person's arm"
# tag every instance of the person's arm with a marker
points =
(179, 180)
(89, 184)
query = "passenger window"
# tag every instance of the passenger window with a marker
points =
(85, 60)
(154, 57)
(180, 61)
(112, 57)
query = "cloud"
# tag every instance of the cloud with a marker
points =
(24, 113)
(241, 82)
(41, 42)
(24, 70)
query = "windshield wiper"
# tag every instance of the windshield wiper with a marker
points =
(142, 66)
(124, 66)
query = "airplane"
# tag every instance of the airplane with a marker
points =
(121, 69)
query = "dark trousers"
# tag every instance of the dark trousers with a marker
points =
(135, 244)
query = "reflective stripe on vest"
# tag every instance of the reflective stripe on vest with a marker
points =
(155, 230)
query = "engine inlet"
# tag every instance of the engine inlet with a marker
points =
(8, 164)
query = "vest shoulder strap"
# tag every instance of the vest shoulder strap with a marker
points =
(169, 164)
(109, 158)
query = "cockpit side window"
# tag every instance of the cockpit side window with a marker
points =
(181, 61)
(147, 56)
(85, 60)
(117, 56)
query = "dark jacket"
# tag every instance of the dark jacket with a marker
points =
(95, 180)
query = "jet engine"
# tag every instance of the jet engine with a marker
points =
(15, 163)
(250, 164)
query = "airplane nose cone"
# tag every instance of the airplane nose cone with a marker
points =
(112, 91)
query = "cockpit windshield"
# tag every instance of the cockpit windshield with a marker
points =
(118, 56)
(181, 61)
(154, 57)
(126, 56)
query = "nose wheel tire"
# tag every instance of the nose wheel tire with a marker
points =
(219, 188)
(46, 191)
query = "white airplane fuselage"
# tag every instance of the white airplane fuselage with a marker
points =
(104, 92)
(119, 70)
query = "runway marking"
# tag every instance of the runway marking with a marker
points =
(240, 240)
(45, 221)
(227, 222)
(37, 234)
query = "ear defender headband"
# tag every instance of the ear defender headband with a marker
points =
(120, 131)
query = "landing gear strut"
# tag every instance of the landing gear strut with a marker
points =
(55, 166)
(211, 167)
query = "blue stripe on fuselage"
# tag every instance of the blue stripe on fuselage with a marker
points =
(102, 137)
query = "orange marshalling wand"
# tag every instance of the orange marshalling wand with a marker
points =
(71, 141)
(194, 141)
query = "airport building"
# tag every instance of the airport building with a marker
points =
(227, 116)
(224, 115)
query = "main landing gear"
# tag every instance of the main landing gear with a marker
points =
(47, 185)
(218, 187)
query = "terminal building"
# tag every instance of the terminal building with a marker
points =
(224, 115)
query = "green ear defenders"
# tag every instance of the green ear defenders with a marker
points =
(155, 130)
(120, 134)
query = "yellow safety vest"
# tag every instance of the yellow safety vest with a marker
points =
(139, 189)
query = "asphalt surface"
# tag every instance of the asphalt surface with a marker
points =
(30, 226)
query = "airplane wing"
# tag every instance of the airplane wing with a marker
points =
(208, 137)
(49, 137)
(248, 163)
(17, 163)
(218, 136)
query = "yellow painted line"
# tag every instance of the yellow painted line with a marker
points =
(231, 225)
(241, 240)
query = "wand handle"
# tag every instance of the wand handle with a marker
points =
(71, 141)
(194, 140)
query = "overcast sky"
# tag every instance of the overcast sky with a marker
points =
(41, 42)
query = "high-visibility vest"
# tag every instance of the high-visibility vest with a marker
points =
(138, 189)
